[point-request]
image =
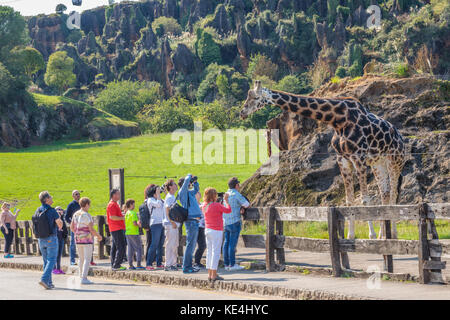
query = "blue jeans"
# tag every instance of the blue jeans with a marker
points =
(156, 246)
(191, 241)
(73, 247)
(231, 232)
(49, 250)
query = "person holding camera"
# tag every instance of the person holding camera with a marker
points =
(189, 187)
(156, 208)
(233, 224)
(213, 212)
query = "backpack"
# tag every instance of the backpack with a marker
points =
(41, 227)
(144, 215)
(177, 213)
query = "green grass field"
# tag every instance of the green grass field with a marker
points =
(66, 165)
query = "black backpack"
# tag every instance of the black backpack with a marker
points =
(41, 228)
(144, 215)
(177, 213)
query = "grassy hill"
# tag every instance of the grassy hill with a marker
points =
(63, 166)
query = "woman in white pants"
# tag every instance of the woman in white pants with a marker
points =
(213, 212)
(83, 228)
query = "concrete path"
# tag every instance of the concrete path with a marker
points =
(351, 287)
(24, 285)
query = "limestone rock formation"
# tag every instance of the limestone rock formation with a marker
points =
(308, 174)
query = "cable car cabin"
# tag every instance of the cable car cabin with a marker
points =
(77, 2)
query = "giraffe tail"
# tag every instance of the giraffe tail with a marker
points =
(399, 186)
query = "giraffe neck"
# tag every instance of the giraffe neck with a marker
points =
(329, 111)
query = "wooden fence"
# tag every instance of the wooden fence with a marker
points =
(428, 248)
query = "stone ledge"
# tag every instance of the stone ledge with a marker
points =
(264, 291)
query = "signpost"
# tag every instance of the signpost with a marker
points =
(117, 181)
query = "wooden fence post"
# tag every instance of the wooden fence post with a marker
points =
(388, 262)
(435, 252)
(270, 249)
(28, 238)
(424, 274)
(334, 241)
(341, 232)
(279, 240)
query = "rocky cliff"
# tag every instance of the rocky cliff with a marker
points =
(308, 174)
(38, 119)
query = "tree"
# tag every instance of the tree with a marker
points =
(207, 49)
(125, 99)
(13, 31)
(30, 59)
(60, 8)
(164, 25)
(59, 72)
(260, 65)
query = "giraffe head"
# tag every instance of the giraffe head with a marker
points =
(255, 100)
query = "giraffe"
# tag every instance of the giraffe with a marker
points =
(361, 140)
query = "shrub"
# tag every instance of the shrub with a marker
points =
(341, 72)
(170, 115)
(166, 25)
(294, 84)
(355, 70)
(260, 65)
(401, 70)
(206, 48)
(59, 72)
(125, 99)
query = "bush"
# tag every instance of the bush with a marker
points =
(170, 115)
(206, 48)
(293, 84)
(341, 72)
(125, 99)
(260, 65)
(166, 25)
(402, 70)
(59, 73)
(355, 70)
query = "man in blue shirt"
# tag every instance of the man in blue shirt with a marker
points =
(73, 207)
(232, 224)
(187, 198)
(49, 245)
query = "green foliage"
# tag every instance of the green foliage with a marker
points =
(60, 8)
(355, 70)
(13, 31)
(108, 12)
(207, 49)
(125, 99)
(217, 115)
(6, 86)
(401, 70)
(332, 7)
(166, 25)
(74, 36)
(344, 11)
(261, 65)
(30, 59)
(294, 84)
(222, 85)
(59, 72)
(170, 115)
(341, 72)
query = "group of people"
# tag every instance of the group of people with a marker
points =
(210, 221)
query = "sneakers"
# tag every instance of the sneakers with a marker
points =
(93, 263)
(51, 286)
(236, 267)
(86, 281)
(46, 286)
(215, 279)
(140, 268)
(160, 266)
(191, 270)
(8, 256)
(173, 268)
(73, 263)
(150, 268)
(132, 268)
(227, 268)
(119, 269)
(199, 266)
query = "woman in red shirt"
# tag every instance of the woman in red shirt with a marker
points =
(213, 212)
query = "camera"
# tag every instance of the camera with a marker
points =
(220, 197)
(193, 179)
(162, 188)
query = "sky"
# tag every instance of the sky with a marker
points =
(35, 7)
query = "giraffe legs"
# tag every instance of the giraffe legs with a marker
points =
(346, 168)
(394, 174)
(381, 174)
(361, 171)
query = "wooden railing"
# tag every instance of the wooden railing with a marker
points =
(428, 248)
